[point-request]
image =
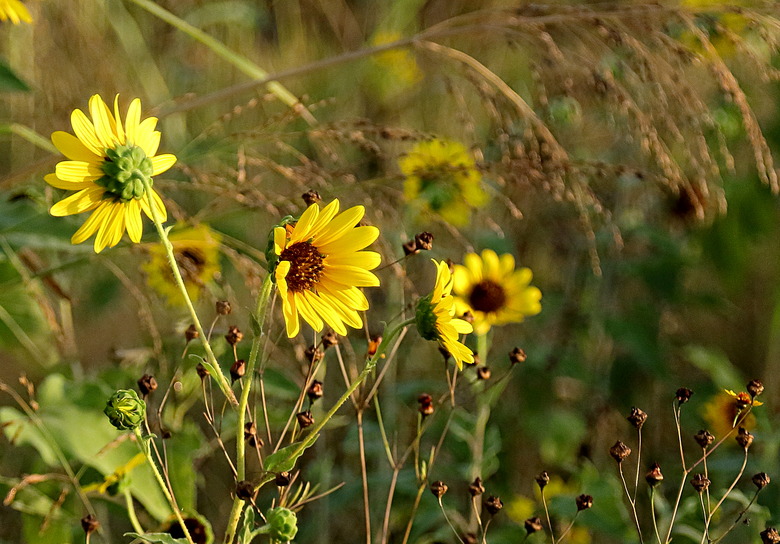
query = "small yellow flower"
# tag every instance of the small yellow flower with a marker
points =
(435, 318)
(321, 268)
(15, 11)
(493, 291)
(721, 411)
(112, 481)
(442, 178)
(742, 400)
(197, 254)
(109, 167)
(399, 62)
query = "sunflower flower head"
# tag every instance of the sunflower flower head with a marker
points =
(399, 64)
(435, 318)
(494, 291)
(14, 11)
(441, 178)
(722, 410)
(197, 253)
(321, 268)
(110, 168)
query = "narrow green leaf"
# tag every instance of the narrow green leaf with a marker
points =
(156, 538)
(284, 459)
(9, 81)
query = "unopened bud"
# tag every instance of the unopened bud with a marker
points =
(654, 476)
(483, 373)
(224, 307)
(683, 395)
(438, 489)
(637, 417)
(619, 451)
(542, 479)
(282, 479)
(755, 388)
(476, 487)
(245, 490)
(191, 333)
(125, 410)
(305, 419)
(700, 482)
(769, 536)
(761, 480)
(238, 369)
(147, 384)
(744, 438)
(533, 525)
(234, 335)
(516, 356)
(311, 197)
(90, 524)
(315, 391)
(493, 505)
(583, 502)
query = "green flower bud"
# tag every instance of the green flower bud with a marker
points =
(125, 171)
(125, 410)
(425, 319)
(282, 523)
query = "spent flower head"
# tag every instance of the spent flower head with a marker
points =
(110, 168)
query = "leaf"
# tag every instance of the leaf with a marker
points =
(161, 538)
(284, 459)
(9, 81)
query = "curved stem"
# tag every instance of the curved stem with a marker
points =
(131, 512)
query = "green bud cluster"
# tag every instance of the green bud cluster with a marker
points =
(425, 319)
(125, 410)
(126, 170)
(281, 523)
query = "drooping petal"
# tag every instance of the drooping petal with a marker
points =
(327, 312)
(111, 225)
(82, 201)
(158, 205)
(135, 227)
(290, 312)
(92, 223)
(307, 312)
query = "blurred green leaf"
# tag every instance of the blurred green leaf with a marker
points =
(157, 538)
(9, 81)
(716, 365)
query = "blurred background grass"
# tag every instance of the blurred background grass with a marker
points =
(648, 283)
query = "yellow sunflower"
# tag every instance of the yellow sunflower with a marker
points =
(321, 267)
(15, 11)
(494, 292)
(435, 318)
(722, 410)
(109, 168)
(197, 253)
(441, 177)
(399, 63)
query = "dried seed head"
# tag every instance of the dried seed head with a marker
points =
(755, 388)
(201, 370)
(483, 373)
(476, 487)
(493, 505)
(238, 370)
(542, 479)
(516, 356)
(234, 335)
(619, 451)
(533, 525)
(654, 476)
(313, 354)
(282, 479)
(426, 404)
(761, 480)
(438, 489)
(637, 417)
(410, 248)
(311, 197)
(147, 384)
(315, 391)
(700, 482)
(769, 536)
(223, 307)
(424, 241)
(744, 438)
(704, 438)
(250, 435)
(305, 419)
(90, 524)
(583, 502)
(245, 490)
(191, 333)
(683, 395)
(329, 339)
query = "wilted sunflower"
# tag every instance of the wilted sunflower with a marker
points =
(441, 177)
(108, 167)
(321, 267)
(435, 318)
(14, 11)
(197, 253)
(493, 291)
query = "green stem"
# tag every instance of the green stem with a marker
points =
(131, 513)
(144, 447)
(239, 61)
(30, 135)
(222, 381)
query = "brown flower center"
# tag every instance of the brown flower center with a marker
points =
(306, 265)
(487, 296)
(191, 261)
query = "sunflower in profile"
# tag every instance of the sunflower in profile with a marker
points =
(494, 292)
(435, 318)
(14, 11)
(111, 164)
(321, 268)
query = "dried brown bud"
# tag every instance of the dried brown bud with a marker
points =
(755, 388)
(583, 502)
(476, 487)
(700, 482)
(769, 536)
(305, 419)
(619, 451)
(683, 395)
(483, 373)
(191, 333)
(704, 438)
(147, 384)
(238, 370)
(761, 480)
(223, 307)
(744, 438)
(234, 335)
(637, 417)
(90, 524)
(315, 391)
(654, 476)
(542, 479)
(329, 339)
(493, 505)
(424, 241)
(517, 355)
(201, 370)
(313, 354)
(311, 197)
(282, 479)
(245, 490)
(250, 435)
(533, 525)
(438, 489)
(410, 248)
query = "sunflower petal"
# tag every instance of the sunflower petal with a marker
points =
(105, 127)
(85, 131)
(161, 163)
(73, 148)
(132, 121)
(135, 226)
(352, 240)
(352, 276)
(76, 171)
(304, 224)
(82, 201)
(92, 224)
(54, 181)
(290, 312)
(341, 224)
